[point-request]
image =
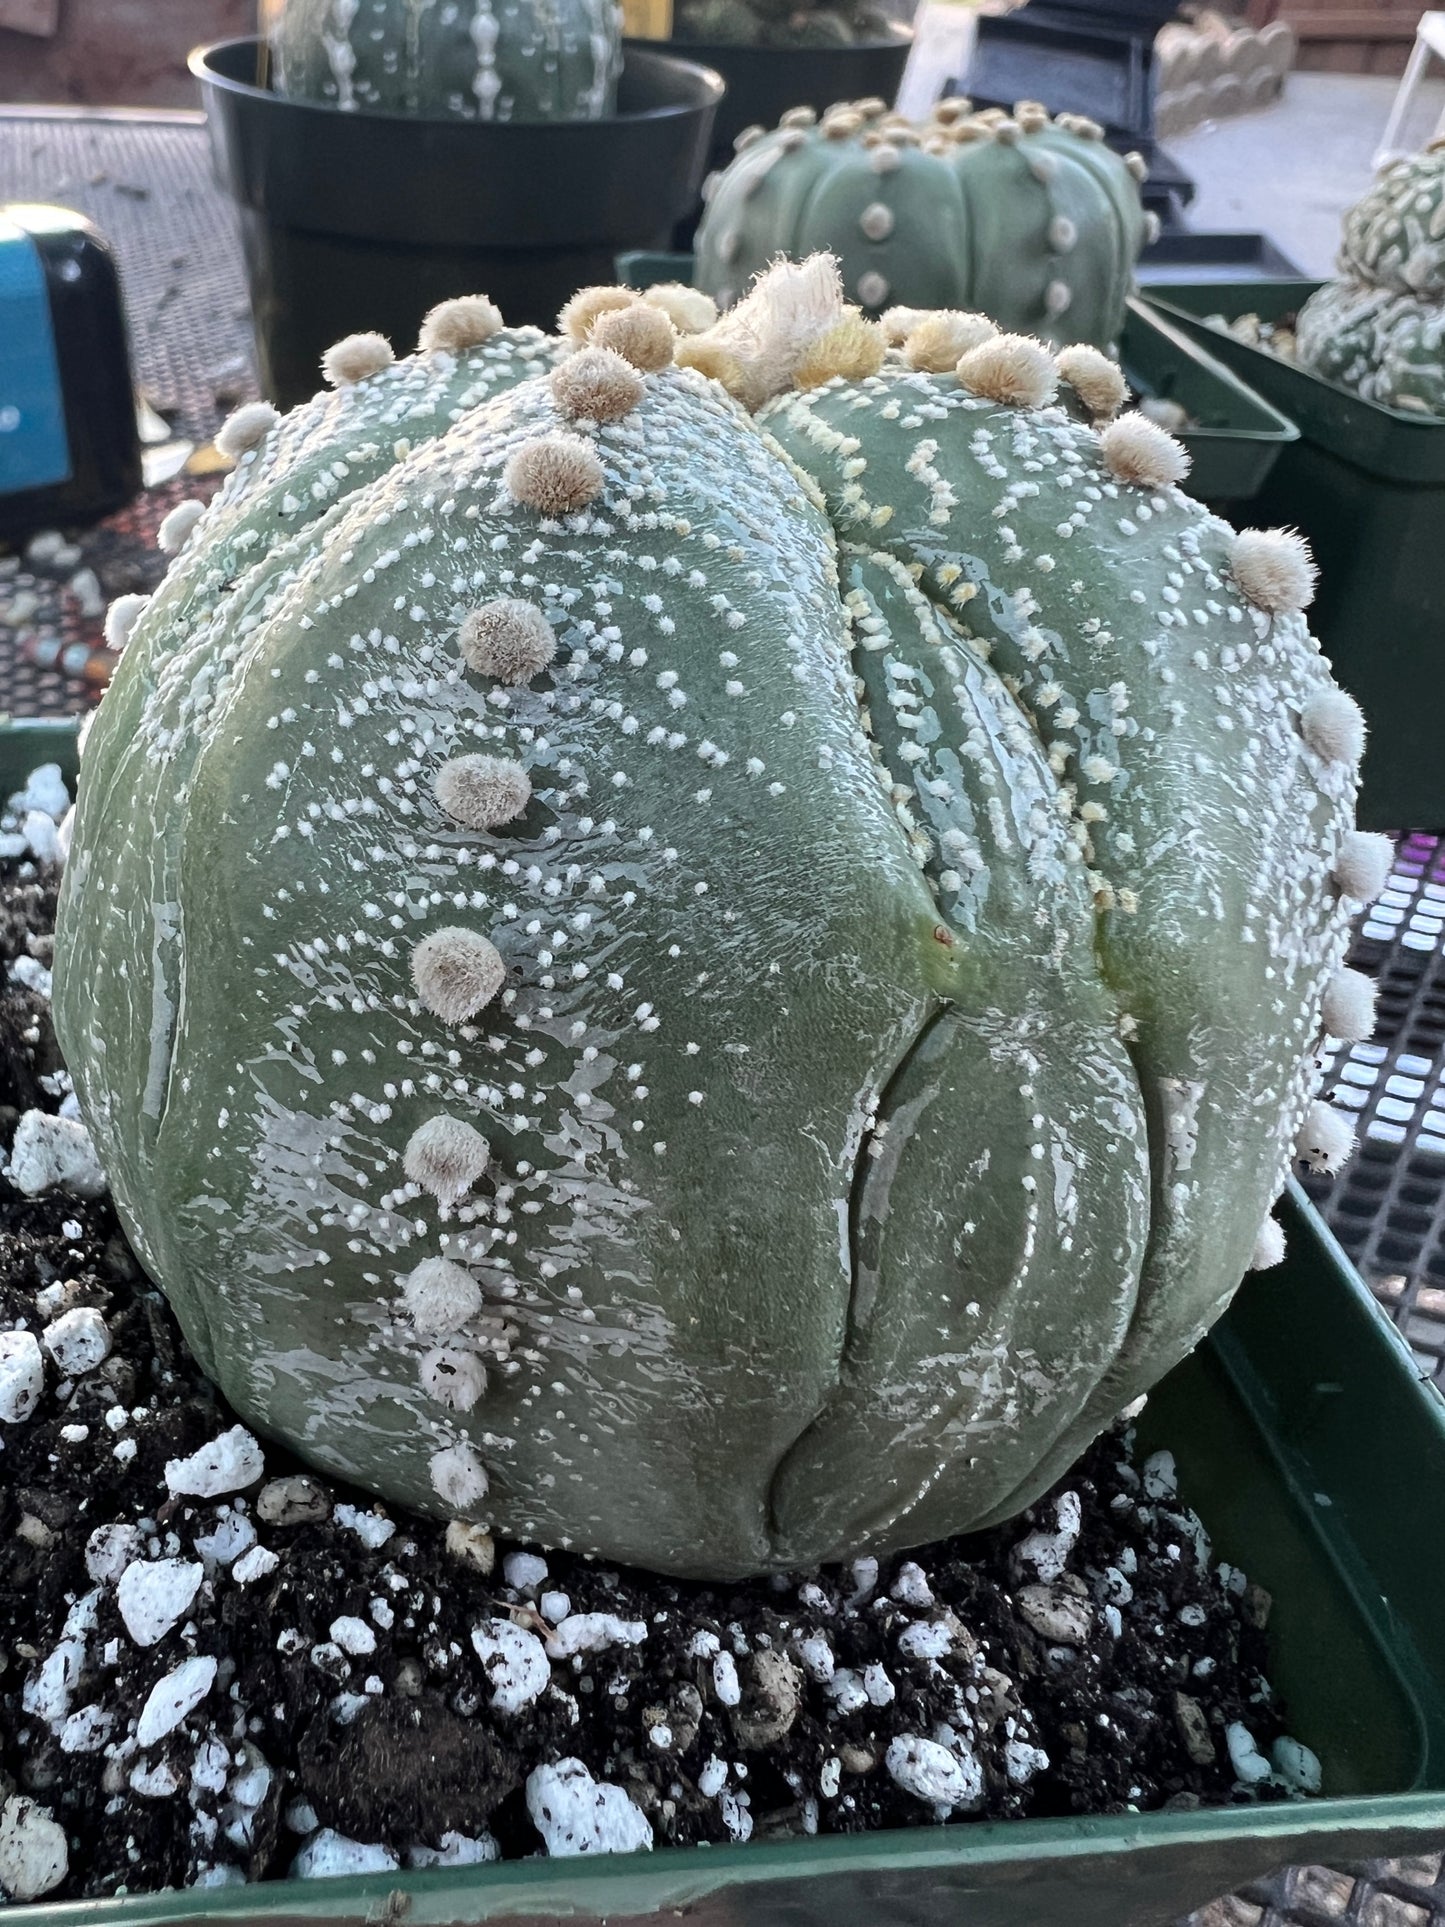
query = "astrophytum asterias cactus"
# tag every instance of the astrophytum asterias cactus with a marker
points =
(452, 59)
(1031, 220)
(1379, 328)
(718, 988)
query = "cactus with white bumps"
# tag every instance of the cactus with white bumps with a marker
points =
(507, 60)
(1032, 220)
(1379, 328)
(719, 988)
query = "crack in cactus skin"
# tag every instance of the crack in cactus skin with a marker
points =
(1039, 229)
(915, 930)
(505, 60)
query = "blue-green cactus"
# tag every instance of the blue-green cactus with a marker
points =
(1379, 328)
(452, 59)
(717, 988)
(1032, 221)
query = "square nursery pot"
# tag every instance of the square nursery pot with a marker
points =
(365, 221)
(1234, 435)
(1366, 484)
(1315, 1457)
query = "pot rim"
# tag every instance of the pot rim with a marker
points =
(201, 62)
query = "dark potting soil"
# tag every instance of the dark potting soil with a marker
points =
(279, 1676)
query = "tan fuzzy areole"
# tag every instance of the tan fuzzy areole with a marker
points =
(596, 385)
(588, 305)
(1274, 568)
(1011, 369)
(1141, 453)
(457, 972)
(938, 341)
(641, 334)
(464, 322)
(507, 638)
(1097, 381)
(554, 474)
(355, 358)
(483, 792)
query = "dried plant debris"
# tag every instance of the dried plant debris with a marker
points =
(217, 1667)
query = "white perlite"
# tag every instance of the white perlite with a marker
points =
(34, 1856)
(109, 1550)
(227, 1464)
(931, 1773)
(253, 1565)
(514, 1660)
(173, 1698)
(1048, 1552)
(22, 1375)
(50, 1152)
(78, 1341)
(155, 1595)
(576, 1814)
(328, 1853)
(592, 1632)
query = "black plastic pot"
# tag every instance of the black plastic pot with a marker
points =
(359, 221)
(764, 82)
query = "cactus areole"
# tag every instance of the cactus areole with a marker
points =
(1030, 219)
(719, 988)
(1379, 328)
(451, 59)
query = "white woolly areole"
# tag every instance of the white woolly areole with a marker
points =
(577, 316)
(355, 357)
(247, 428)
(446, 1156)
(1333, 725)
(1098, 382)
(1348, 1010)
(688, 309)
(785, 313)
(1138, 451)
(1011, 369)
(507, 638)
(458, 1477)
(1268, 1247)
(1325, 1139)
(456, 973)
(938, 341)
(453, 1377)
(174, 532)
(464, 322)
(641, 334)
(596, 384)
(554, 474)
(482, 792)
(898, 323)
(121, 618)
(440, 1296)
(1274, 569)
(1363, 863)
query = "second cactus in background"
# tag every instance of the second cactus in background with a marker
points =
(1031, 220)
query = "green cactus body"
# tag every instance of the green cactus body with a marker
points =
(1378, 330)
(1038, 229)
(910, 953)
(524, 60)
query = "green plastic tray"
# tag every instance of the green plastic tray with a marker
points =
(1366, 484)
(1238, 436)
(1316, 1458)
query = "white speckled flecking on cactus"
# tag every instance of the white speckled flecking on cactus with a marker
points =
(700, 942)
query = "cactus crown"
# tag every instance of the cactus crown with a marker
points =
(1031, 220)
(523, 60)
(720, 987)
(1379, 328)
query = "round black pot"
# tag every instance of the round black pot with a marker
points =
(764, 82)
(359, 221)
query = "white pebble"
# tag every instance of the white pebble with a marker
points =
(514, 1660)
(576, 1814)
(54, 1152)
(1248, 1762)
(253, 1565)
(22, 1375)
(173, 1698)
(353, 1636)
(725, 1682)
(524, 1570)
(931, 1773)
(78, 1341)
(911, 1587)
(226, 1464)
(34, 1854)
(328, 1853)
(155, 1595)
(593, 1633)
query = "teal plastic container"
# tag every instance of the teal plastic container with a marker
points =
(1366, 484)
(1236, 438)
(1315, 1456)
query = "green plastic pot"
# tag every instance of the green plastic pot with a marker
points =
(1316, 1458)
(1366, 484)
(1237, 435)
